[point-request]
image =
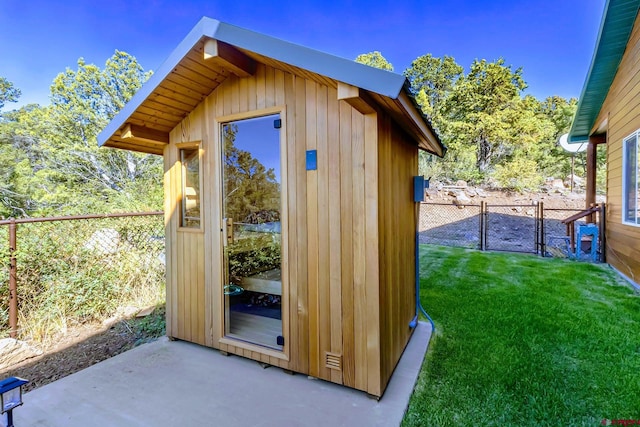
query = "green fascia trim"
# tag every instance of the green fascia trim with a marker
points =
(617, 22)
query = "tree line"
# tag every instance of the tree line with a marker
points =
(495, 134)
(51, 164)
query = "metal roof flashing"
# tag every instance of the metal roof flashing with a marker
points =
(203, 27)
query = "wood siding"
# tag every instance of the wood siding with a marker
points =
(621, 110)
(398, 163)
(349, 232)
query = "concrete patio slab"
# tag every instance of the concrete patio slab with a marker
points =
(175, 383)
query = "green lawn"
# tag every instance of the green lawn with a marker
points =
(527, 341)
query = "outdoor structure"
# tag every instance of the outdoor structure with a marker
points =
(609, 115)
(289, 201)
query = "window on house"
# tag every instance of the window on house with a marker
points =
(631, 179)
(190, 203)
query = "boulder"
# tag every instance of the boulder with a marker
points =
(461, 199)
(104, 241)
(480, 192)
(13, 351)
(431, 193)
(461, 183)
(577, 181)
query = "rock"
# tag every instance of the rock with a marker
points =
(480, 192)
(557, 183)
(459, 204)
(529, 212)
(452, 193)
(105, 241)
(439, 186)
(461, 183)
(471, 192)
(431, 193)
(517, 209)
(462, 197)
(577, 181)
(13, 351)
(128, 311)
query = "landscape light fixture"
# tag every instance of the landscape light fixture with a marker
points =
(11, 396)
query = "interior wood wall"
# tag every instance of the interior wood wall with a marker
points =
(347, 282)
(622, 109)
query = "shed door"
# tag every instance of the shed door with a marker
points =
(252, 240)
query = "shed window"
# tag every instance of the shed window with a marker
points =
(631, 177)
(190, 203)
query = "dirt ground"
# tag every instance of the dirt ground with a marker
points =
(563, 199)
(90, 344)
(84, 346)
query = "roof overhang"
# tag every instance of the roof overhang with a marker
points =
(617, 22)
(212, 51)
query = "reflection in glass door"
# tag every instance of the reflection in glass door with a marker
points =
(251, 210)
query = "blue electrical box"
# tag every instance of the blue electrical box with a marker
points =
(418, 188)
(312, 160)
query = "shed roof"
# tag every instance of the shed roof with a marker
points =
(617, 22)
(186, 78)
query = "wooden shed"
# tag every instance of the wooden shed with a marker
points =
(289, 201)
(608, 118)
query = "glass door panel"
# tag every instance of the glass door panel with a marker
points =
(251, 210)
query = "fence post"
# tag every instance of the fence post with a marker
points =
(543, 248)
(482, 225)
(603, 231)
(13, 268)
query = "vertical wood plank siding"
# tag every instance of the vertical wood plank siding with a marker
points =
(621, 109)
(398, 163)
(349, 237)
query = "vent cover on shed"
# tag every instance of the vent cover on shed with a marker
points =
(333, 361)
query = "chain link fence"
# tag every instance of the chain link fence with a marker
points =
(512, 228)
(450, 225)
(71, 270)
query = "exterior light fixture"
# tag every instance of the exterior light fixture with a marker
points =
(11, 396)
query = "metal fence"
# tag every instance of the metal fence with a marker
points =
(514, 228)
(86, 258)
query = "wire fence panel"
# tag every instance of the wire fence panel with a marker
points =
(555, 233)
(450, 225)
(82, 269)
(511, 228)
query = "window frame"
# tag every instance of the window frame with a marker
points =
(627, 171)
(190, 146)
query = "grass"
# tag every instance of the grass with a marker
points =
(525, 341)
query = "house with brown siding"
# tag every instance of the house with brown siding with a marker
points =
(608, 117)
(289, 201)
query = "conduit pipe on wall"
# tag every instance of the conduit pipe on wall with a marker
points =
(419, 308)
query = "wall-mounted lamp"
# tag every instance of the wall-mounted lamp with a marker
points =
(11, 396)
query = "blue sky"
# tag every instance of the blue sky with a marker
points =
(552, 40)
